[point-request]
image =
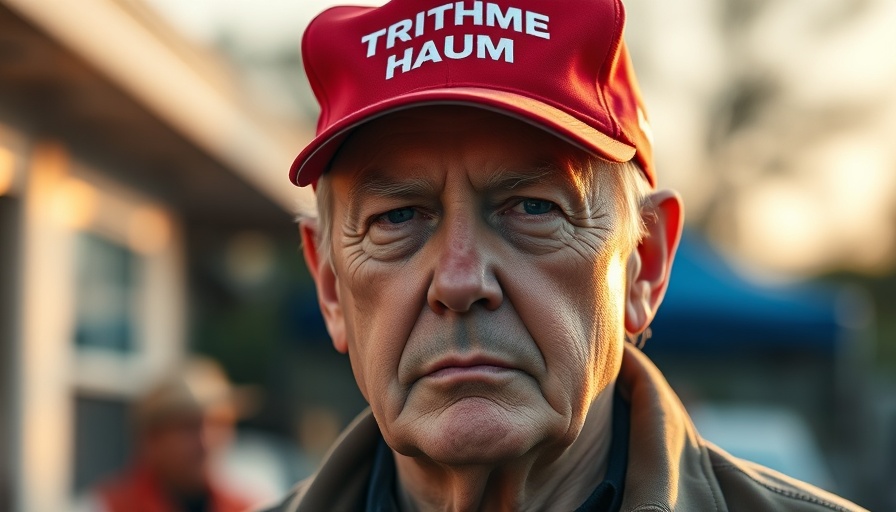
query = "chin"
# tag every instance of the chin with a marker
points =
(476, 431)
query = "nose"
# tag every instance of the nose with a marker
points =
(464, 274)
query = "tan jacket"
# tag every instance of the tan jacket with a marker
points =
(670, 468)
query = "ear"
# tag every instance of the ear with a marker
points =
(650, 263)
(327, 285)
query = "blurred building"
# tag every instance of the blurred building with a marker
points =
(125, 152)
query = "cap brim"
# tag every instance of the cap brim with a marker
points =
(315, 158)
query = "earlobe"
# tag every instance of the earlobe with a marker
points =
(650, 265)
(326, 282)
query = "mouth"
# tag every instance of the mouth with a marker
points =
(471, 367)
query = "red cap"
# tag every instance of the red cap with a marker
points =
(560, 65)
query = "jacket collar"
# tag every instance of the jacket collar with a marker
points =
(668, 468)
(341, 480)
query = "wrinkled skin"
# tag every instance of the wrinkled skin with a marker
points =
(482, 291)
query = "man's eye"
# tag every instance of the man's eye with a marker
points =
(399, 215)
(535, 206)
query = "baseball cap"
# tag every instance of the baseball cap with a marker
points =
(560, 65)
(199, 386)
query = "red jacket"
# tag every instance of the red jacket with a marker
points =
(139, 491)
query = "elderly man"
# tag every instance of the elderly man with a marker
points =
(489, 236)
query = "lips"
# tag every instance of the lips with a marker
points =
(459, 365)
(472, 345)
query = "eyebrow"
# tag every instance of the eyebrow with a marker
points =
(501, 179)
(554, 173)
(377, 185)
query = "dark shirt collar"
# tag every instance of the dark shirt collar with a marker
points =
(606, 497)
(381, 490)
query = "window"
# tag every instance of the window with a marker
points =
(106, 286)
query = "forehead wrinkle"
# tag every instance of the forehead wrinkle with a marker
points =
(504, 179)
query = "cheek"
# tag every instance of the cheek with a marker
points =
(610, 293)
(573, 308)
(381, 305)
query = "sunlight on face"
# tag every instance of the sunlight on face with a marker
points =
(481, 287)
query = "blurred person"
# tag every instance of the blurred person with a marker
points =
(488, 236)
(317, 429)
(181, 424)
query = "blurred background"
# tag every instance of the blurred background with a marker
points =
(146, 218)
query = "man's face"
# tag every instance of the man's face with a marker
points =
(176, 452)
(480, 282)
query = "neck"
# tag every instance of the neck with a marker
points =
(553, 478)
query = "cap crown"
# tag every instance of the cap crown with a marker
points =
(560, 64)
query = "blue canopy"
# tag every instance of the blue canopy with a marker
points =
(709, 307)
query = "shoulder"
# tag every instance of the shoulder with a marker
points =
(341, 480)
(747, 486)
